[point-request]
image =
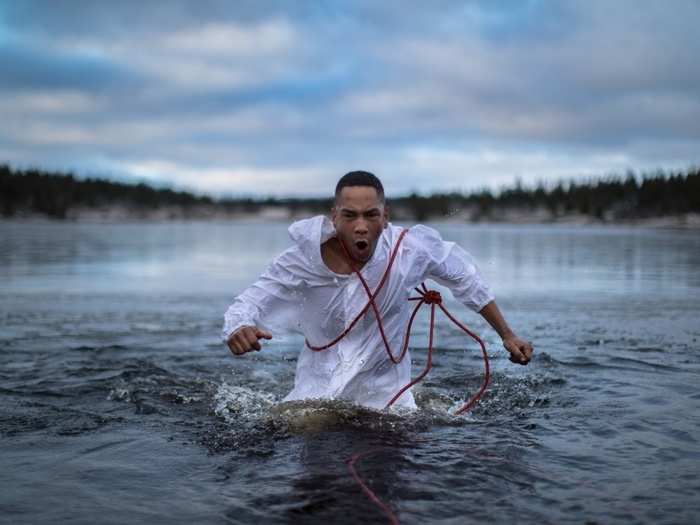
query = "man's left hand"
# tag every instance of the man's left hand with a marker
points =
(520, 351)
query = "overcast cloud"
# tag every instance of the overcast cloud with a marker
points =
(281, 98)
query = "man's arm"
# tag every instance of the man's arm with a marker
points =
(520, 351)
(453, 267)
(271, 301)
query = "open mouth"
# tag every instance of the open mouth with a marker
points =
(361, 245)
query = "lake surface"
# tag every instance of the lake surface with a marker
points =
(120, 404)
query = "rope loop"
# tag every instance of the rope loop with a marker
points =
(432, 297)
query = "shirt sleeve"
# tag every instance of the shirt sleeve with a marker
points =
(272, 301)
(451, 266)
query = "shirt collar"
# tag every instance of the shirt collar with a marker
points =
(310, 234)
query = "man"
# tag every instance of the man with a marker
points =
(312, 288)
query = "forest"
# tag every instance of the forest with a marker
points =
(612, 198)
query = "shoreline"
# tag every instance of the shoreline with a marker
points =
(118, 215)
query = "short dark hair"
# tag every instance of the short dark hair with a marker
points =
(360, 178)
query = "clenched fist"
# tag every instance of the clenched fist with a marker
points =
(245, 339)
(520, 351)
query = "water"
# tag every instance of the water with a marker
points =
(119, 404)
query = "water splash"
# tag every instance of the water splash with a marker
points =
(233, 403)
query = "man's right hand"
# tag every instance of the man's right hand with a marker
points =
(245, 339)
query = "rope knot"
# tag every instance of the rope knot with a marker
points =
(432, 297)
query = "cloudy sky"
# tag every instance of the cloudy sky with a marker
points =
(281, 98)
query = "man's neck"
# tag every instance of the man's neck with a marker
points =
(335, 258)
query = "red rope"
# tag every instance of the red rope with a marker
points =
(433, 298)
(430, 297)
(370, 303)
(368, 491)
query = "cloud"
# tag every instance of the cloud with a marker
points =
(267, 38)
(45, 101)
(461, 95)
(30, 67)
(241, 180)
(597, 84)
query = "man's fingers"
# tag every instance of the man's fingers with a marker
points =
(250, 338)
(251, 341)
(239, 344)
(518, 357)
(246, 339)
(263, 334)
(235, 347)
(518, 353)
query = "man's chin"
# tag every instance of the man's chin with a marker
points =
(363, 255)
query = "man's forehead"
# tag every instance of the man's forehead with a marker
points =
(360, 208)
(359, 198)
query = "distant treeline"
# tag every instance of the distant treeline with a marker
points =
(55, 194)
(610, 198)
(628, 197)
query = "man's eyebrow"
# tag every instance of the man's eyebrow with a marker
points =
(348, 210)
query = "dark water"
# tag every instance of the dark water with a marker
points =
(118, 403)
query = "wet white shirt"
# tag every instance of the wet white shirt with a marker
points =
(299, 293)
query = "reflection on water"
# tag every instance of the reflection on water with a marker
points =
(219, 257)
(560, 259)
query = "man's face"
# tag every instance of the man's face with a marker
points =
(359, 217)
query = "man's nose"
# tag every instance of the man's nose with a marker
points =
(361, 227)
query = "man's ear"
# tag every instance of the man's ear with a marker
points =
(386, 215)
(334, 214)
